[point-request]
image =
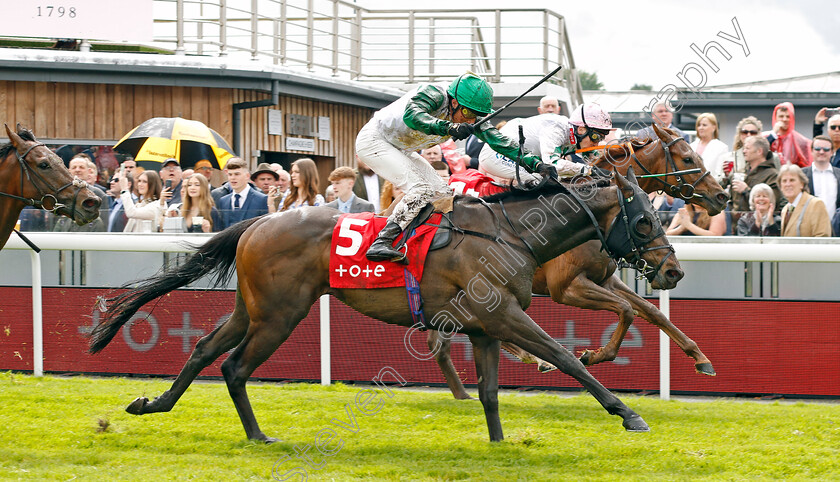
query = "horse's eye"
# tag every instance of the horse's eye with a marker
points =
(644, 227)
(688, 160)
(44, 165)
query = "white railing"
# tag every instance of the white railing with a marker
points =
(341, 38)
(819, 250)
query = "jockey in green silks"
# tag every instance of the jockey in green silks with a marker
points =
(424, 117)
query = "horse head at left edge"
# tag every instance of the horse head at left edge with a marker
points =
(33, 175)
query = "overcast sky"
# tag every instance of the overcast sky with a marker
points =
(642, 42)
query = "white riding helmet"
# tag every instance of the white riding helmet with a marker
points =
(593, 116)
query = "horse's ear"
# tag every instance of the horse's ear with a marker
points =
(16, 139)
(631, 176)
(663, 136)
(624, 184)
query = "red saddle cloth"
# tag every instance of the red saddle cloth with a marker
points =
(474, 183)
(353, 235)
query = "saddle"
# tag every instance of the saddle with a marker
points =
(443, 236)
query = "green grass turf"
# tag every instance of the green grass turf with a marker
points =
(64, 428)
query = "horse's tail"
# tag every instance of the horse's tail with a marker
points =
(217, 257)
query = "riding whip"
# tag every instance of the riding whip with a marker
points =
(687, 171)
(494, 114)
(28, 241)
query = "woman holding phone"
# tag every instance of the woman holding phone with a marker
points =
(145, 215)
(199, 213)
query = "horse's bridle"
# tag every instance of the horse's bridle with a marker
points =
(48, 201)
(624, 242)
(683, 189)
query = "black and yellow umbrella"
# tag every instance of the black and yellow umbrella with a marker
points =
(161, 138)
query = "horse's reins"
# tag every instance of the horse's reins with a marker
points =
(497, 238)
(683, 189)
(610, 245)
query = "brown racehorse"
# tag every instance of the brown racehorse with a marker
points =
(584, 277)
(282, 265)
(32, 175)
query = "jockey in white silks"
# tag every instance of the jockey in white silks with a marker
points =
(424, 117)
(554, 137)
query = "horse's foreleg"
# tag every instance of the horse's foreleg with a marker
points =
(652, 314)
(585, 293)
(486, 354)
(208, 349)
(519, 329)
(441, 346)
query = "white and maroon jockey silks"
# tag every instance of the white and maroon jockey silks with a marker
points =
(353, 235)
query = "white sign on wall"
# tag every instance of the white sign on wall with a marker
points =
(275, 122)
(300, 144)
(114, 20)
(324, 128)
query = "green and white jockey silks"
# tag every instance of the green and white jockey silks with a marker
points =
(389, 142)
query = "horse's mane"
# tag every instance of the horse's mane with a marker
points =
(551, 187)
(25, 134)
(636, 142)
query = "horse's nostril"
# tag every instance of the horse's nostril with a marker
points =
(674, 274)
(91, 203)
(722, 197)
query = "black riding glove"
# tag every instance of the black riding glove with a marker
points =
(460, 131)
(547, 170)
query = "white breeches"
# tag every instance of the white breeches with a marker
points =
(408, 171)
(501, 168)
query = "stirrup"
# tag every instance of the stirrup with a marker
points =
(402, 256)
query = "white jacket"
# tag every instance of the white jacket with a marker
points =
(144, 210)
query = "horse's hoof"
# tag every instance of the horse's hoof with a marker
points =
(705, 368)
(465, 396)
(136, 407)
(265, 439)
(585, 357)
(635, 424)
(545, 367)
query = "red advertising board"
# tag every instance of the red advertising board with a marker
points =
(757, 347)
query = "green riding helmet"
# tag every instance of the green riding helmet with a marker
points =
(472, 92)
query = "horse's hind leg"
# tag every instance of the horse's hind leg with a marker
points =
(267, 331)
(652, 314)
(486, 354)
(519, 329)
(208, 349)
(441, 346)
(526, 357)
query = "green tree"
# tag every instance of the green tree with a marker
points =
(589, 80)
(641, 87)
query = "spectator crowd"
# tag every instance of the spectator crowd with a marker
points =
(781, 183)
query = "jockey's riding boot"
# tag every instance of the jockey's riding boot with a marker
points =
(382, 249)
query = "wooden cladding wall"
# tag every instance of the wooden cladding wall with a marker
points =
(345, 122)
(108, 111)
